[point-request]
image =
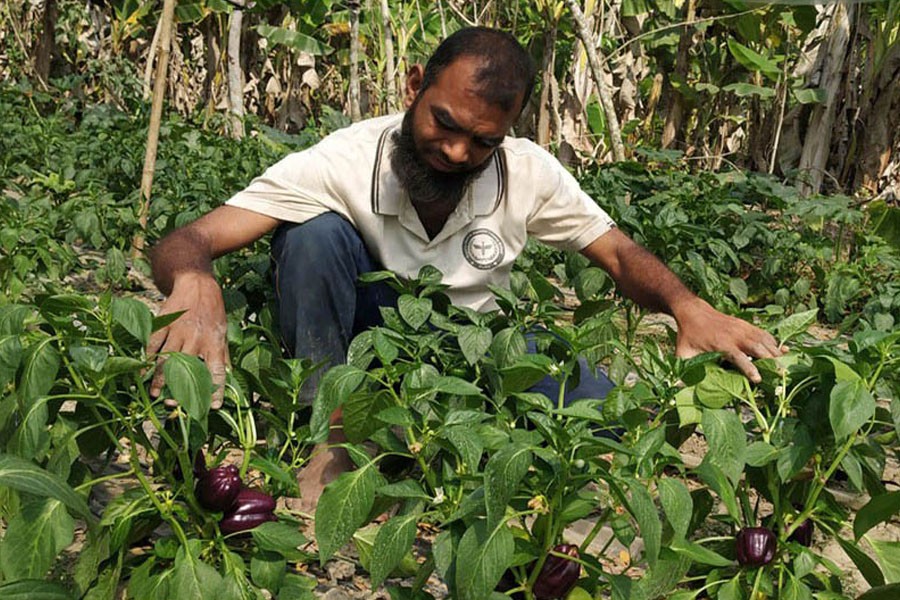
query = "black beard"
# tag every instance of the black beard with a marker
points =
(424, 184)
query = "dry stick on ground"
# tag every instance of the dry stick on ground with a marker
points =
(612, 120)
(159, 92)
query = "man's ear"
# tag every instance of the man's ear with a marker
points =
(414, 77)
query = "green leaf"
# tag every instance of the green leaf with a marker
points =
(738, 289)
(293, 39)
(39, 368)
(34, 538)
(677, 504)
(727, 442)
(793, 458)
(700, 554)
(811, 95)
(883, 592)
(716, 479)
(743, 90)
(456, 386)
(482, 556)
(33, 589)
(384, 347)
(189, 383)
(753, 60)
(334, 388)
(467, 443)
(267, 570)
(415, 311)
(525, 372)
(719, 387)
(343, 508)
(507, 346)
(357, 413)
(759, 454)
(408, 488)
(393, 542)
(297, 587)
(107, 584)
(281, 538)
(502, 474)
(731, 590)
(193, 578)
(93, 553)
(888, 554)
(851, 407)
(878, 510)
(688, 413)
(795, 589)
(89, 358)
(795, 324)
(146, 585)
(10, 357)
(474, 341)
(867, 567)
(25, 476)
(134, 316)
(660, 580)
(645, 513)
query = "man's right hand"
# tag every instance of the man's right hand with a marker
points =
(200, 331)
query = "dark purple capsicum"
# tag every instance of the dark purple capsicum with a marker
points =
(558, 575)
(218, 489)
(251, 509)
(755, 546)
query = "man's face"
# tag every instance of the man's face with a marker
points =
(449, 134)
(455, 130)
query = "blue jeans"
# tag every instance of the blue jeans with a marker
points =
(321, 307)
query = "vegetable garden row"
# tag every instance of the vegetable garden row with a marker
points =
(444, 433)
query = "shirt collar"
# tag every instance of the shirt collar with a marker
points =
(389, 198)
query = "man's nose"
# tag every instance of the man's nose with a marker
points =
(456, 151)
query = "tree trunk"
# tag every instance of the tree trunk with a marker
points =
(354, 92)
(675, 114)
(235, 74)
(159, 92)
(213, 58)
(544, 124)
(389, 66)
(45, 47)
(879, 131)
(612, 120)
(817, 144)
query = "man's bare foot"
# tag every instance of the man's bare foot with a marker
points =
(323, 468)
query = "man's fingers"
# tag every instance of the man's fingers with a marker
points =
(745, 364)
(159, 378)
(156, 341)
(218, 372)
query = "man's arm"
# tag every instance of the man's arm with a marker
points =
(643, 278)
(182, 269)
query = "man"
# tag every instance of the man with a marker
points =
(441, 185)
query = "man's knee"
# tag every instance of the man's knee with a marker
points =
(318, 241)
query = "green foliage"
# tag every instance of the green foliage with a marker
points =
(438, 409)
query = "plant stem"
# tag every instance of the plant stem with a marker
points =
(93, 482)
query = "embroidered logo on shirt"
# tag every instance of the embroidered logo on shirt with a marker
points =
(483, 249)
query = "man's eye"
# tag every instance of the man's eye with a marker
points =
(491, 144)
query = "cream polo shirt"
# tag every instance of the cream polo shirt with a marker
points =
(524, 191)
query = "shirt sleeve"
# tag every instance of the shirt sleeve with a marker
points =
(299, 187)
(564, 216)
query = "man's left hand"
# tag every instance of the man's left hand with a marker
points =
(701, 328)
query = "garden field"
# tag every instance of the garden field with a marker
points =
(687, 482)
